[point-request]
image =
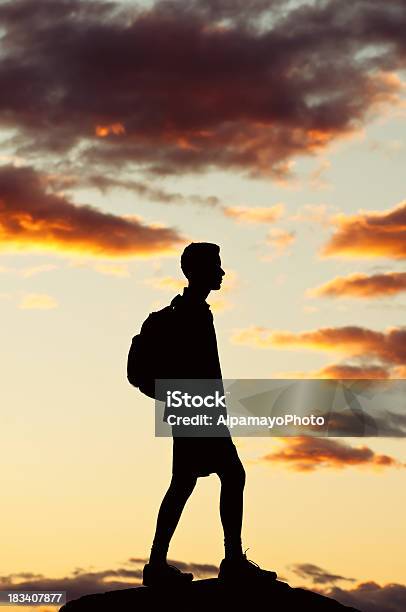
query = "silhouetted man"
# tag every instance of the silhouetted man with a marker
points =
(194, 355)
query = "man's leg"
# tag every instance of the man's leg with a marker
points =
(232, 478)
(169, 514)
(235, 565)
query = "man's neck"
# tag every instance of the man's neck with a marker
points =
(197, 292)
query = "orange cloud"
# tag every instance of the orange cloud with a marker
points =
(171, 283)
(317, 180)
(389, 346)
(30, 271)
(34, 270)
(362, 286)
(217, 303)
(37, 301)
(167, 283)
(31, 218)
(279, 239)
(104, 130)
(370, 234)
(399, 372)
(313, 213)
(259, 214)
(341, 371)
(306, 454)
(120, 270)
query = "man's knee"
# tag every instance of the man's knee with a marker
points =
(240, 473)
(183, 484)
(234, 472)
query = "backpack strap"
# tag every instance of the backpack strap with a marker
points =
(175, 301)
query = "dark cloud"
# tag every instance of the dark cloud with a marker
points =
(189, 86)
(360, 423)
(84, 582)
(148, 192)
(199, 569)
(365, 596)
(33, 218)
(104, 183)
(368, 596)
(316, 574)
(80, 583)
(306, 454)
(371, 597)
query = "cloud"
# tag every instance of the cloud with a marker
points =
(399, 372)
(34, 270)
(33, 219)
(230, 85)
(119, 270)
(279, 239)
(171, 283)
(367, 596)
(259, 214)
(343, 370)
(371, 597)
(85, 582)
(307, 454)
(360, 423)
(313, 213)
(105, 183)
(389, 148)
(220, 304)
(38, 301)
(316, 574)
(200, 569)
(389, 346)
(166, 283)
(369, 234)
(217, 303)
(104, 130)
(80, 582)
(29, 271)
(362, 286)
(317, 180)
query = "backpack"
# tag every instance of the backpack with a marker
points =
(148, 357)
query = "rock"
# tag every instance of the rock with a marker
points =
(209, 595)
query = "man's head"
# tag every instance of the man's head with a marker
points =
(201, 264)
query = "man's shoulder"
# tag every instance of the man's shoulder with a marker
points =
(161, 317)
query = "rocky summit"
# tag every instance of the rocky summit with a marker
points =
(211, 595)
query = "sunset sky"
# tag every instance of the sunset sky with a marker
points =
(129, 129)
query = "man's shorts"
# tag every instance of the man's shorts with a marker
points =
(203, 456)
